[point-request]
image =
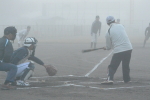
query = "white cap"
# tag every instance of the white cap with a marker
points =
(110, 19)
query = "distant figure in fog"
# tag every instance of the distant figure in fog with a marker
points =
(96, 26)
(21, 35)
(118, 21)
(147, 34)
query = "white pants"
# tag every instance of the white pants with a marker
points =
(20, 41)
(94, 38)
(21, 68)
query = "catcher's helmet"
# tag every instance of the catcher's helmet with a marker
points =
(29, 41)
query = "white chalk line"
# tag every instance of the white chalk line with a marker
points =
(71, 85)
(71, 76)
(93, 83)
(68, 85)
(98, 64)
(67, 76)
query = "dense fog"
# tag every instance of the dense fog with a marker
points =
(53, 19)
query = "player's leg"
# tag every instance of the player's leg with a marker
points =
(95, 40)
(125, 66)
(28, 72)
(21, 42)
(92, 40)
(91, 44)
(21, 69)
(10, 79)
(144, 42)
(25, 71)
(114, 64)
(18, 38)
(146, 38)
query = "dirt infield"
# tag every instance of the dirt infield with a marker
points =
(70, 82)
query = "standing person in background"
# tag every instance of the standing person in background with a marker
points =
(117, 39)
(96, 26)
(6, 50)
(147, 34)
(21, 35)
(118, 21)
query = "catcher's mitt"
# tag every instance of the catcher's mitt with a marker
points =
(51, 70)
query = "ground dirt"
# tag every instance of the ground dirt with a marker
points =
(70, 82)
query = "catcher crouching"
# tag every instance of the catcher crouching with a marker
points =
(26, 69)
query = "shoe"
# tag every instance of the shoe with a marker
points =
(127, 81)
(110, 82)
(22, 83)
(14, 83)
(8, 87)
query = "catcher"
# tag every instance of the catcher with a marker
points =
(25, 70)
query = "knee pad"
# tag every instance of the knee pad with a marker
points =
(31, 66)
(27, 74)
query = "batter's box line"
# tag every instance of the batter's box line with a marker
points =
(58, 76)
(73, 76)
(74, 85)
(69, 76)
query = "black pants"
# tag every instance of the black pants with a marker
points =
(115, 62)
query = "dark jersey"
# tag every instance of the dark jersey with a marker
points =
(6, 50)
(96, 26)
(21, 54)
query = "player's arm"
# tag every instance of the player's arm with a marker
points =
(108, 42)
(37, 60)
(21, 34)
(21, 37)
(24, 36)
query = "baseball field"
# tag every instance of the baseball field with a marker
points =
(74, 81)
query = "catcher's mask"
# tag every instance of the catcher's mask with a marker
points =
(30, 41)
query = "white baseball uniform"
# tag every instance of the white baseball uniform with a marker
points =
(21, 36)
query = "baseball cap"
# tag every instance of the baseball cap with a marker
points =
(110, 19)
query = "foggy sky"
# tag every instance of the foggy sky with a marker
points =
(13, 10)
(74, 13)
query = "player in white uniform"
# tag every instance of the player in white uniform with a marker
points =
(21, 35)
